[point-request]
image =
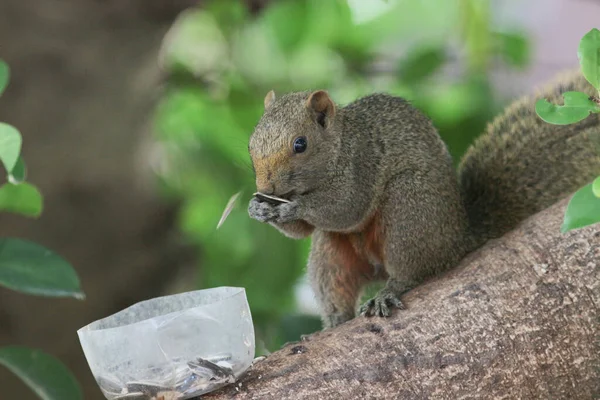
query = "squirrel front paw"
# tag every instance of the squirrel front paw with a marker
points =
(262, 211)
(381, 305)
(278, 213)
(288, 212)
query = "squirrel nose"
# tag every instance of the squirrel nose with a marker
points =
(266, 188)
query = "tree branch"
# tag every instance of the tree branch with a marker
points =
(517, 319)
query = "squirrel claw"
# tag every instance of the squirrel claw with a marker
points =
(381, 305)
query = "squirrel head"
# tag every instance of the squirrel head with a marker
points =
(293, 142)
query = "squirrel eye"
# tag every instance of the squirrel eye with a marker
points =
(300, 145)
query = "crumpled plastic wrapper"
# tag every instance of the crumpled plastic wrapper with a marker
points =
(172, 347)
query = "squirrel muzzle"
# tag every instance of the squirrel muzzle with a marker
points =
(269, 173)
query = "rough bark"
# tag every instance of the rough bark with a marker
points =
(517, 319)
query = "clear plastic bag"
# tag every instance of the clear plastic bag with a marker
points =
(171, 347)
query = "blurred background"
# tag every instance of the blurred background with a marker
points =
(136, 117)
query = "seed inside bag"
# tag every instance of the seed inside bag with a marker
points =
(270, 199)
(148, 388)
(131, 396)
(214, 371)
(185, 381)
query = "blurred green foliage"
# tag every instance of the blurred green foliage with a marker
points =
(221, 62)
(584, 207)
(32, 269)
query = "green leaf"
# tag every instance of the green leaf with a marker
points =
(287, 32)
(30, 268)
(229, 14)
(4, 76)
(454, 102)
(49, 378)
(22, 198)
(422, 63)
(19, 172)
(514, 48)
(314, 66)
(583, 209)
(577, 106)
(589, 57)
(476, 23)
(10, 145)
(258, 58)
(195, 44)
(596, 187)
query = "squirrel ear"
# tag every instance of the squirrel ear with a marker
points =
(322, 105)
(269, 99)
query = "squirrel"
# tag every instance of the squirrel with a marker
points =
(376, 187)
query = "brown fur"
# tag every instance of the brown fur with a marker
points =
(297, 229)
(265, 167)
(369, 241)
(376, 185)
(531, 163)
(320, 102)
(348, 254)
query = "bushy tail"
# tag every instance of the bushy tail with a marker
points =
(522, 164)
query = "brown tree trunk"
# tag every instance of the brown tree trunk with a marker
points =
(518, 319)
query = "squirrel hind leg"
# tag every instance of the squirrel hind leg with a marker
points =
(337, 275)
(423, 232)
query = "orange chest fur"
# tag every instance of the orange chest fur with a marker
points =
(362, 250)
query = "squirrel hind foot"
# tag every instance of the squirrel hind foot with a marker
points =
(382, 304)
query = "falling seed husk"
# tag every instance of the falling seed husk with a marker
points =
(228, 208)
(270, 199)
